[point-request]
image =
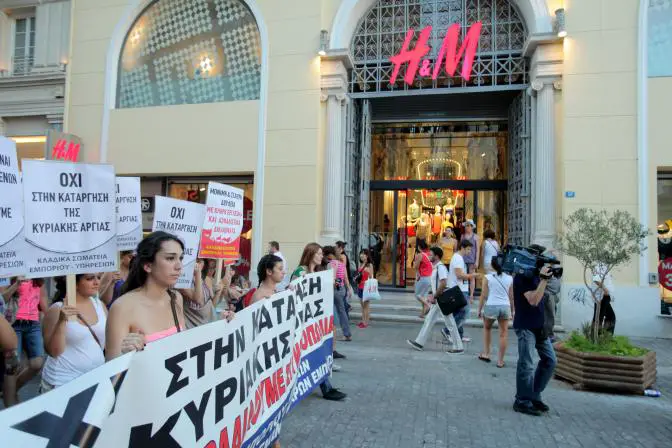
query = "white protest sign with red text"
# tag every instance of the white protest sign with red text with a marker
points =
(183, 219)
(223, 222)
(70, 219)
(129, 213)
(12, 244)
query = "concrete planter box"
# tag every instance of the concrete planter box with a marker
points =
(605, 372)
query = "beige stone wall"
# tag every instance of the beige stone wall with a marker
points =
(600, 112)
(218, 138)
(660, 146)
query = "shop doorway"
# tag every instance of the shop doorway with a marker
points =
(400, 217)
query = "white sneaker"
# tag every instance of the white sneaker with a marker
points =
(466, 339)
(335, 368)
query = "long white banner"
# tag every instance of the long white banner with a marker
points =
(216, 386)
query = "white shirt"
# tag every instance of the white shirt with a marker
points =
(498, 289)
(490, 250)
(457, 262)
(285, 280)
(442, 273)
(82, 353)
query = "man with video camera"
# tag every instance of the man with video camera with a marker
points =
(528, 323)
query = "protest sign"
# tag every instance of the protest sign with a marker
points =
(226, 384)
(129, 213)
(223, 222)
(63, 146)
(70, 221)
(12, 243)
(183, 219)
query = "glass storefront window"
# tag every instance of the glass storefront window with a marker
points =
(665, 236)
(440, 151)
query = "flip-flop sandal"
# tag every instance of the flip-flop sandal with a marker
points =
(500, 366)
(484, 358)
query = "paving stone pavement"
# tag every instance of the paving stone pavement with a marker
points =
(401, 398)
(398, 397)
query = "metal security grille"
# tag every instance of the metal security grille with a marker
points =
(352, 185)
(499, 62)
(519, 226)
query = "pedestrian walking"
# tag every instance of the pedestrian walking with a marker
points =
(458, 276)
(471, 259)
(423, 272)
(496, 304)
(364, 272)
(341, 289)
(25, 300)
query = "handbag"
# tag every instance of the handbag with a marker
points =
(450, 300)
(371, 290)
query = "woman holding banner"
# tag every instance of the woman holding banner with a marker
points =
(149, 308)
(203, 299)
(74, 346)
(311, 261)
(26, 298)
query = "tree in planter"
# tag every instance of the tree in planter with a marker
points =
(601, 242)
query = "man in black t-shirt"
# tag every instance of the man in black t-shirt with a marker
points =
(528, 323)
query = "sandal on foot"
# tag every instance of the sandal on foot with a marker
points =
(500, 365)
(484, 358)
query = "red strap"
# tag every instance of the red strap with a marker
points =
(248, 297)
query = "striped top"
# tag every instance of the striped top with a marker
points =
(340, 270)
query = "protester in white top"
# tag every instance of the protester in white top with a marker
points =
(274, 249)
(457, 276)
(496, 304)
(74, 336)
(439, 280)
(490, 249)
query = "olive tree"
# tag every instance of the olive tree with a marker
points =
(600, 242)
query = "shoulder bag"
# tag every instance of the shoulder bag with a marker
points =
(450, 300)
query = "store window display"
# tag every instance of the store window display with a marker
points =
(665, 238)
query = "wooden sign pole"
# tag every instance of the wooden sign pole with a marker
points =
(218, 270)
(71, 292)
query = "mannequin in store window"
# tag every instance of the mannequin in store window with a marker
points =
(424, 230)
(437, 221)
(414, 211)
(449, 208)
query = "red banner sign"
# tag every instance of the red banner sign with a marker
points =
(448, 53)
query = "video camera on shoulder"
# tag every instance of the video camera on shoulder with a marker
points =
(528, 261)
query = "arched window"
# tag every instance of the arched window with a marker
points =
(190, 52)
(381, 32)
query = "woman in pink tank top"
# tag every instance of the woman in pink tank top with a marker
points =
(28, 298)
(149, 308)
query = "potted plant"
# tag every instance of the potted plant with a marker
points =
(594, 357)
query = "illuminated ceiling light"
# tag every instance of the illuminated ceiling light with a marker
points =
(136, 35)
(324, 43)
(206, 64)
(35, 139)
(201, 189)
(483, 155)
(560, 24)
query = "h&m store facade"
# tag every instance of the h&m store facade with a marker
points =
(397, 118)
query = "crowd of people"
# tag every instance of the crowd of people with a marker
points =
(119, 312)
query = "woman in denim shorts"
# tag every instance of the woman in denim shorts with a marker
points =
(30, 298)
(496, 304)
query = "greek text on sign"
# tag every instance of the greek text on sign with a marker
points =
(12, 243)
(226, 384)
(129, 214)
(448, 52)
(70, 219)
(183, 219)
(223, 222)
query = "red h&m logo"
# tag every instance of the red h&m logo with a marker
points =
(64, 150)
(448, 52)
